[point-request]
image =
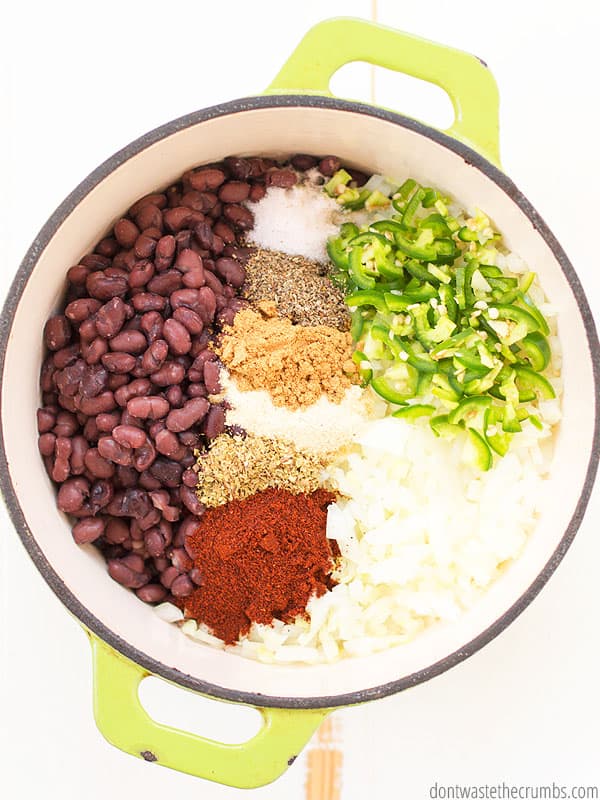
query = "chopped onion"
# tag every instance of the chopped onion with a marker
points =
(377, 183)
(168, 612)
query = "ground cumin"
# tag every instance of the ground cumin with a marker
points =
(296, 364)
(260, 559)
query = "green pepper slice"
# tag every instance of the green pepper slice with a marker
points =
(464, 339)
(441, 427)
(370, 238)
(477, 451)
(446, 387)
(337, 252)
(437, 224)
(397, 390)
(387, 226)
(364, 367)
(510, 420)
(447, 298)
(339, 178)
(356, 202)
(528, 380)
(470, 268)
(535, 312)
(348, 231)
(358, 271)
(367, 297)
(357, 323)
(467, 235)
(412, 207)
(407, 188)
(526, 280)
(470, 410)
(414, 411)
(490, 271)
(430, 198)
(535, 348)
(424, 253)
(497, 439)
(523, 323)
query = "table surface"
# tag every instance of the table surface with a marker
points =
(82, 80)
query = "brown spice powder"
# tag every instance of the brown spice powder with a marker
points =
(300, 288)
(294, 363)
(236, 467)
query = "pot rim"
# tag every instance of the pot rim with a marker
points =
(39, 244)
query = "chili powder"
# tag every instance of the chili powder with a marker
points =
(260, 558)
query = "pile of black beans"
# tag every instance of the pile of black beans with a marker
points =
(130, 387)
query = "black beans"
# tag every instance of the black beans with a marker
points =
(239, 216)
(177, 337)
(177, 218)
(206, 179)
(97, 465)
(231, 271)
(111, 450)
(110, 318)
(88, 530)
(215, 422)
(72, 494)
(152, 407)
(165, 283)
(181, 419)
(82, 309)
(167, 472)
(211, 377)
(152, 593)
(93, 381)
(104, 287)
(303, 162)
(283, 178)
(57, 332)
(129, 342)
(189, 319)
(129, 436)
(123, 574)
(96, 405)
(118, 362)
(234, 192)
(170, 373)
(182, 586)
(190, 501)
(329, 165)
(126, 232)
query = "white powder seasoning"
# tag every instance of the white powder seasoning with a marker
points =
(297, 221)
(320, 428)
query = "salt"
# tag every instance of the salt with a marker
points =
(297, 221)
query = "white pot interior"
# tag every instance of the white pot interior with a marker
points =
(366, 142)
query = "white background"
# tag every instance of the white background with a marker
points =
(80, 80)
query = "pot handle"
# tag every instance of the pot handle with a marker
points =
(464, 77)
(124, 723)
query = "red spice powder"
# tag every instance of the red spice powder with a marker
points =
(260, 558)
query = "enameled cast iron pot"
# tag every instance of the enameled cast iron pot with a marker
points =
(296, 114)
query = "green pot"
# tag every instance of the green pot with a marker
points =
(297, 113)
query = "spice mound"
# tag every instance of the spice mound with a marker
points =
(261, 559)
(300, 288)
(236, 467)
(295, 364)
